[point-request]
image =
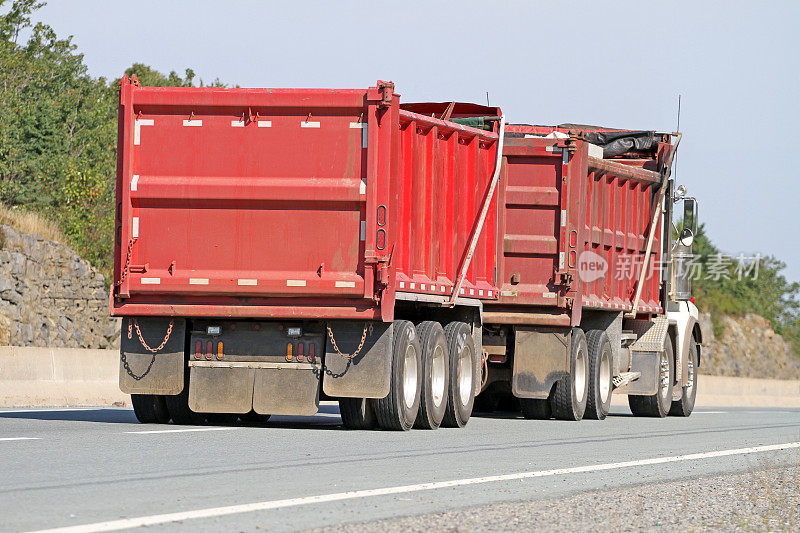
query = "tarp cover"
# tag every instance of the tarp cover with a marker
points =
(616, 143)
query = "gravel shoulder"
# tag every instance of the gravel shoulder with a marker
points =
(766, 498)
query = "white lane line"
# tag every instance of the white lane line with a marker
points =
(709, 412)
(21, 438)
(54, 410)
(126, 523)
(184, 430)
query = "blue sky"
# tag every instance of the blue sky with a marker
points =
(623, 64)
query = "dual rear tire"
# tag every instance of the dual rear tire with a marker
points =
(432, 381)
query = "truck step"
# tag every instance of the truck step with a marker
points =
(624, 378)
(628, 337)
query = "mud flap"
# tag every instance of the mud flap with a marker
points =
(287, 390)
(368, 375)
(220, 388)
(541, 357)
(166, 374)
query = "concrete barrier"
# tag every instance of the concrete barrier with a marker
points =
(59, 377)
(73, 377)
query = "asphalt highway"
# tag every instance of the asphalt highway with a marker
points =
(97, 469)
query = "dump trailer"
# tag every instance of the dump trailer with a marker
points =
(280, 247)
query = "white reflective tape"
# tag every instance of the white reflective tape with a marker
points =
(564, 157)
(134, 182)
(402, 284)
(264, 123)
(561, 260)
(362, 187)
(363, 230)
(413, 286)
(472, 292)
(563, 217)
(307, 124)
(422, 287)
(345, 283)
(135, 227)
(151, 281)
(137, 124)
(364, 132)
(193, 122)
(443, 288)
(480, 292)
(461, 291)
(246, 281)
(237, 123)
(548, 295)
(295, 283)
(198, 281)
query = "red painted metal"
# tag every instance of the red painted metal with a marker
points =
(292, 203)
(312, 203)
(557, 204)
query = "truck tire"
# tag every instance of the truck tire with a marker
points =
(534, 409)
(571, 391)
(435, 375)
(253, 418)
(598, 402)
(144, 408)
(357, 413)
(657, 405)
(398, 410)
(685, 405)
(178, 406)
(461, 386)
(160, 409)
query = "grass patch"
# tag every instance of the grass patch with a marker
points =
(32, 223)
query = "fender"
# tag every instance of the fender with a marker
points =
(684, 316)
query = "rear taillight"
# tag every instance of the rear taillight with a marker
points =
(219, 350)
(198, 350)
(209, 350)
(289, 355)
(300, 351)
(311, 353)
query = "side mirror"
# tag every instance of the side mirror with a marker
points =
(690, 214)
(686, 237)
(689, 222)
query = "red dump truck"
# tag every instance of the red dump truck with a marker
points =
(279, 247)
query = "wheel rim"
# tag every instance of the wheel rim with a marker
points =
(664, 375)
(410, 376)
(438, 372)
(605, 377)
(464, 376)
(690, 380)
(579, 375)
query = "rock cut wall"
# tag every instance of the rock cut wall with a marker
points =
(51, 297)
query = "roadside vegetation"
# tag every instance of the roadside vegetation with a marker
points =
(58, 128)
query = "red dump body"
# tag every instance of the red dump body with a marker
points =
(314, 203)
(558, 206)
(293, 203)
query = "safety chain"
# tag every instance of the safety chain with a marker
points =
(127, 264)
(133, 324)
(358, 350)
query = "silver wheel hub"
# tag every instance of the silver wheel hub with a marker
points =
(579, 376)
(438, 375)
(464, 376)
(605, 378)
(664, 382)
(410, 376)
